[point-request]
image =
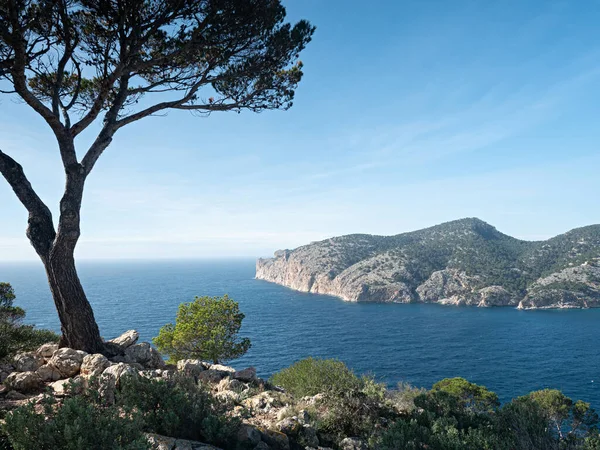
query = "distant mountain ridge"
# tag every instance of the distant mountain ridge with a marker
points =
(463, 262)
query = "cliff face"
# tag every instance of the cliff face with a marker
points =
(465, 262)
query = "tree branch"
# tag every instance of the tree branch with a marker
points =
(108, 130)
(40, 231)
(67, 152)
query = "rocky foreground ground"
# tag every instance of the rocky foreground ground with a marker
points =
(269, 420)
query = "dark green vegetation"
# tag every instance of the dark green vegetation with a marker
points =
(475, 247)
(177, 408)
(313, 376)
(14, 336)
(76, 424)
(207, 329)
(454, 415)
(97, 66)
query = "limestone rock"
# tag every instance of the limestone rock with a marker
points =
(27, 362)
(496, 296)
(352, 443)
(162, 374)
(67, 361)
(127, 339)
(62, 388)
(145, 355)
(246, 375)
(111, 379)
(94, 365)
(265, 402)
(47, 350)
(190, 367)
(222, 368)
(118, 371)
(290, 426)
(229, 384)
(48, 372)
(24, 382)
(158, 442)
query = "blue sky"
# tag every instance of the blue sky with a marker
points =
(411, 113)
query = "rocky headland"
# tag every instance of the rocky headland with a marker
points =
(464, 262)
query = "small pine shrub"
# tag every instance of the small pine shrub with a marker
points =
(206, 328)
(76, 424)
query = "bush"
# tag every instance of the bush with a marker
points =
(178, 408)
(403, 397)
(14, 336)
(352, 406)
(313, 376)
(570, 419)
(351, 414)
(458, 415)
(206, 328)
(75, 425)
(470, 396)
(523, 424)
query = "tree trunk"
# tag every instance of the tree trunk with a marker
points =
(78, 325)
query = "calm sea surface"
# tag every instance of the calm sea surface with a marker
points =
(511, 352)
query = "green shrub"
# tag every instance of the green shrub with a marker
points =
(14, 336)
(76, 424)
(178, 408)
(313, 376)
(569, 419)
(592, 442)
(403, 397)
(470, 396)
(206, 328)
(522, 424)
(351, 414)
(352, 406)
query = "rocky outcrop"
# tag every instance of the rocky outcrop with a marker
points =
(23, 382)
(461, 263)
(94, 365)
(573, 287)
(158, 442)
(269, 422)
(127, 339)
(67, 361)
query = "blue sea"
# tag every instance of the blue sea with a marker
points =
(511, 352)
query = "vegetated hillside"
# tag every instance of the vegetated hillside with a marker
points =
(464, 262)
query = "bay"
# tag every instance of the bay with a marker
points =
(511, 352)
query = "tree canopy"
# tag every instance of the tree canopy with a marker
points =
(206, 328)
(75, 62)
